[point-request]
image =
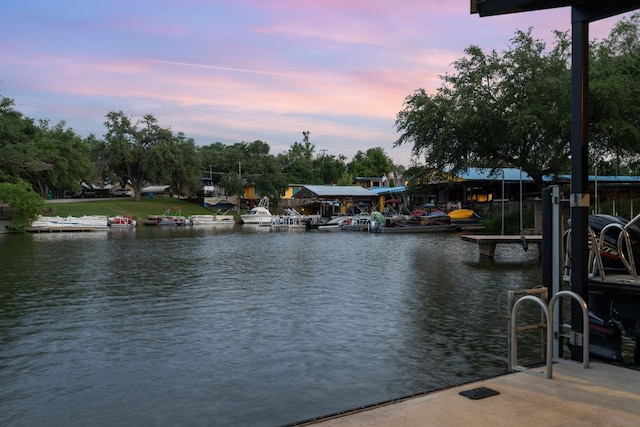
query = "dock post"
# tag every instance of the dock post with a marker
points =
(487, 249)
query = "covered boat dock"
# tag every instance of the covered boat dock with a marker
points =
(334, 199)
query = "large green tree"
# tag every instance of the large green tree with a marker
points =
(302, 165)
(214, 160)
(143, 153)
(18, 154)
(176, 161)
(26, 203)
(236, 165)
(262, 169)
(66, 156)
(297, 163)
(331, 167)
(496, 110)
(614, 93)
(372, 163)
(47, 156)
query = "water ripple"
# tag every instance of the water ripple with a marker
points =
(242, 327)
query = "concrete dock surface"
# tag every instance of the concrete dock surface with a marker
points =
(601, 395)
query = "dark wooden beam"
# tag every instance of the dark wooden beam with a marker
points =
(590, 10)
(501, 7)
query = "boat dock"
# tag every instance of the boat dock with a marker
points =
(64, 229)
(601, 395)
(487, 243)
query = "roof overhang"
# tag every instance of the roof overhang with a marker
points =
(387, 190)
(589, 10)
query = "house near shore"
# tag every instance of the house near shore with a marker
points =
(327, 200)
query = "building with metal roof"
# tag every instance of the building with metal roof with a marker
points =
(334, 191)
(336, 199)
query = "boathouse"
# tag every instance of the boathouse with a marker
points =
(330, 200)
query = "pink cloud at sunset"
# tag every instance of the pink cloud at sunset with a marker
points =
(242, 70)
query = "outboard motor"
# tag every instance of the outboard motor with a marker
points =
(376, 222)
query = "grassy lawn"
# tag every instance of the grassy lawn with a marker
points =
(124, 206)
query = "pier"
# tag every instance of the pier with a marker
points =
(65, 229)
(600, 395)
(487, 243)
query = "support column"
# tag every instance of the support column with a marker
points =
(579, 198)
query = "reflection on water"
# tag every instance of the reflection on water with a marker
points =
(241, 326)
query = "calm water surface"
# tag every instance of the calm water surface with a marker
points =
(243, 326)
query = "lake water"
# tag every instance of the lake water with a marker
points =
(243, 326)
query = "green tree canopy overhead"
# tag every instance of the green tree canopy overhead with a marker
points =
(496, 111)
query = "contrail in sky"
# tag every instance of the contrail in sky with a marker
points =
(214, 67)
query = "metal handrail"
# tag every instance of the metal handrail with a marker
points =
(566, 258)
(623, 245)
(585, 322)
(635, 220)
(513, 359)
(594, 262)
(548, 314)
(595, 255)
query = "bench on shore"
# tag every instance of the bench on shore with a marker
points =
(487, 243)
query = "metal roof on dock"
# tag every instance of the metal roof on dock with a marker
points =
(327, 191)
(515, 174)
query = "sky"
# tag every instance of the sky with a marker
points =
(234, 71)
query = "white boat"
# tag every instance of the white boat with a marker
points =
(357, 223)
(212, 220)
(292, 219)
(171, 217)
(287, 222)
(259, 214)
(69, 223)
(173, 220)
(334, 224)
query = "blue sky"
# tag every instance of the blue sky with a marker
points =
(243, 70)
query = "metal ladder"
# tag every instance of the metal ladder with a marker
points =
(546, 324)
